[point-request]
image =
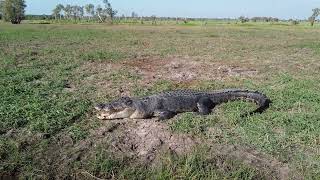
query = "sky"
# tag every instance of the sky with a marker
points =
(284, 9)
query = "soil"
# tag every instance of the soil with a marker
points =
(142, 141)
(185, 69)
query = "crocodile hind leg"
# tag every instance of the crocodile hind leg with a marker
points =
(205, 105)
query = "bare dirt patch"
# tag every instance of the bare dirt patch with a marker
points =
(111, 80)
(148, 137)
(143, 141)
(185, 69)
(140, 140)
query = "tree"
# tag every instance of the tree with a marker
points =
(294, 22)
(68, 11)
(89, 10)
(103, 14)
(134, 15)
(154, 19)
(185, 20)
(77, 12)
(99, 12)
(1, 8)
(243, 19)
(74, 12)
(81, 11)
(60, 7)
(313, 17)
(13, 10)
(57, 11)
(109, 10)
(255, 19)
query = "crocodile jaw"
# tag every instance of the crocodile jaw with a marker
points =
(126, 113)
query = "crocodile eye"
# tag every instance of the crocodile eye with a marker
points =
(99, 106)
(126, 100)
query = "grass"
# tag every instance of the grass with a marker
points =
(195, 166)
(102, 56)
(51, 75)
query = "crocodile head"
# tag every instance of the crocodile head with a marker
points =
(121, 108)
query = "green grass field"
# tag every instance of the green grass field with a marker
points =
(52, 75)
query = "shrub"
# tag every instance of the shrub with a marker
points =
(243, 19)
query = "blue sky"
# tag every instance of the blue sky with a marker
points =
(295, 9)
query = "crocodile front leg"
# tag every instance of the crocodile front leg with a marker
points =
(205, 106)
(164, 114)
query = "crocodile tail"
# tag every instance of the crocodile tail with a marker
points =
(237, 94)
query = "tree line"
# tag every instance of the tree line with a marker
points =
(14, 11)
(89, 11)
(258, 19)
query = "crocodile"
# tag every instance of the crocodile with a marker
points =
(166, 105)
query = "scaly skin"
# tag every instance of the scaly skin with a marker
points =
(167, 104)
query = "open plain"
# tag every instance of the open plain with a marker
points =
(52, 75)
